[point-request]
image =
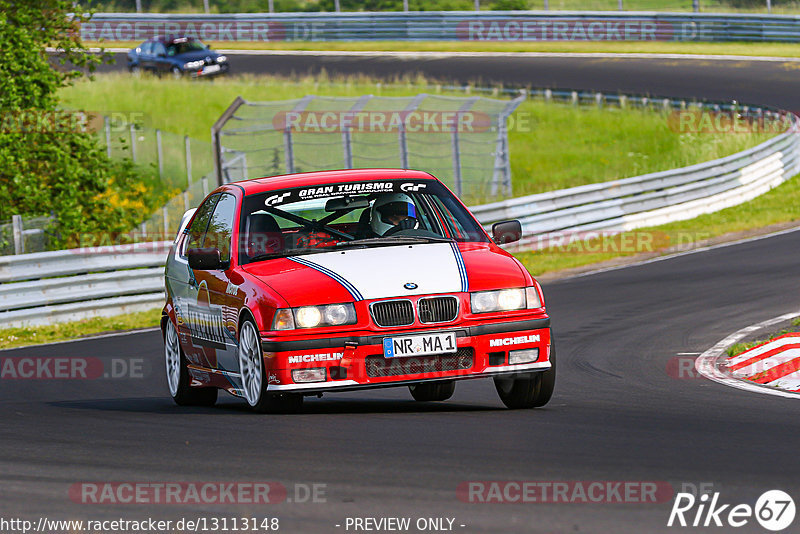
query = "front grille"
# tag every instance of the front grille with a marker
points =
(437, 309)
(392, 312)
(378, 366)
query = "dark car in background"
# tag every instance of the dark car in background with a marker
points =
(178, 56)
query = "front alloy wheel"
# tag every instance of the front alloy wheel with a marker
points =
(178, 375)
(251, 368)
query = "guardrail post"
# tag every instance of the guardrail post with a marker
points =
(548, 95)
(19, 241)
(598, 97)
(574, 98)
(188, 149)
(133, 142)
(623, 101)
(159, 154)
(666, 104)
(107, 128)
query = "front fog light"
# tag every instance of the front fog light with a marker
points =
(308, 317)
(515, 357)
(304, 376)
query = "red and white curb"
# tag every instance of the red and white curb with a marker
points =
(772, 368)
(775, 363)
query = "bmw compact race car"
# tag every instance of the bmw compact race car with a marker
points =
(288, 286)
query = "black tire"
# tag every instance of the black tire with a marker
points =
(251, 368)
(433, 391)
(135, 70)
(531, 390)
(176, 73)
(181, 392)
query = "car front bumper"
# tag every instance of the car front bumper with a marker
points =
(357, 362)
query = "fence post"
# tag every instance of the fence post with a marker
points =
(165, 216)
(107, 127)
(19, 242)
(288, 149)
(133, 142)
(205, 186)
(188, 148)
(160, 154)
(456, 162)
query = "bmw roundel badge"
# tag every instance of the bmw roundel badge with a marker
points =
(410, 285)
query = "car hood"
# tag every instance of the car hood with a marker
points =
(385, 272)
(195, 56)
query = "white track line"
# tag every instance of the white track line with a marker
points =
(706, 363)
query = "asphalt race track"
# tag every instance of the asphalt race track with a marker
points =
(617, 414)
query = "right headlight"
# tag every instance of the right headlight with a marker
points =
(505, 300)
(194, 64)
(314, 316)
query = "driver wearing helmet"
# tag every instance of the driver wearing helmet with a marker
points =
(392, 213)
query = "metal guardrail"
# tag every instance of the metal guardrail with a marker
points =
(69, 285)
(650, 199)
(449, 26)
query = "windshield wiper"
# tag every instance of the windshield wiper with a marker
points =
(286, 253)
(391, 241)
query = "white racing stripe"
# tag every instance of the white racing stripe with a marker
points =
(382, 272)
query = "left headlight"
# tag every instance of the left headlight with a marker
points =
(314, 316)
(222, 59)
(194, 64)
(505, 300)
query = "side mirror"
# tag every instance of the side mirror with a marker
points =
(205, 259)
(506, 232)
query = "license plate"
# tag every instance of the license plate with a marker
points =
(420, 345)
(210, 68)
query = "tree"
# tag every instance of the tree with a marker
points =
(49, 163)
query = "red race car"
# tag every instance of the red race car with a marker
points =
(301, 284)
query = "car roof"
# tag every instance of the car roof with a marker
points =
(173, 38)
(306, 179)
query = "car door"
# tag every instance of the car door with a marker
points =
(216, 307)
(161, 63)
(146, 56)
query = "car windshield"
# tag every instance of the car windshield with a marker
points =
(337, 216)
(182, 47)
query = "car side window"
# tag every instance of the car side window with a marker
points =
(220, 229)
(158, 49)
(197, 230)
(145, 48)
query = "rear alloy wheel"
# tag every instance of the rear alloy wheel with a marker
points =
(178, 375)
(530, 390)
(254, 387)
(135, 70)
(176, 73)
(433, 391)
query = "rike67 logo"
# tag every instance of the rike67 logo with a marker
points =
(774, 510)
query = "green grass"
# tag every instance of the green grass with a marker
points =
(34, 335)
(738, 348)
(553, 146)
(787, 50)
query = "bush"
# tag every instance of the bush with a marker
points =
(49, 165)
